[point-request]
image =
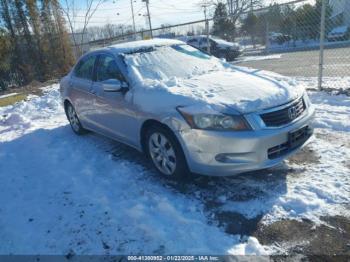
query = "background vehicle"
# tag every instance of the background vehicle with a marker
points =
(218, 47)
(186, 110)
(340, 33)
(279, 38)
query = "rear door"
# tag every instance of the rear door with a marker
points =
(81, 83)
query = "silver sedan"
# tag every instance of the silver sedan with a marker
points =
(187, 111)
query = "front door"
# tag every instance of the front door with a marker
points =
(114, 112)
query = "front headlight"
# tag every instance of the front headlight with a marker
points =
(215, 121)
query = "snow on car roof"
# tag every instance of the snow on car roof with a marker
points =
(135, 46)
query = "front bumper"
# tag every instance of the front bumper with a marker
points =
(227, 153)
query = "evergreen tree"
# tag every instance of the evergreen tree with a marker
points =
(223, 27)
(250, 26)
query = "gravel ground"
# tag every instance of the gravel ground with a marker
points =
(305, 63)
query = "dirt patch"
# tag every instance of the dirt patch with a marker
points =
(12, 99)
(237, 224)
(338, 139)
(305, 156)
(347, 166)
(33, 88)
(304, 237)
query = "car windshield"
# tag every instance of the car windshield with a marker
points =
(166, 62)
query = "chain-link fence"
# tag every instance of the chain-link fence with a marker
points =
(284, 38)
(291, 39)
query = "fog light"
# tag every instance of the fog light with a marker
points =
(235, 158)
(226, 158)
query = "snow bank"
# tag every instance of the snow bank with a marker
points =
(256, 58)
(251, 247)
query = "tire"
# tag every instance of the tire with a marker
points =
(165, 152)
(74, 120)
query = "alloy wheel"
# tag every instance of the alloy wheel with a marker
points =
(73, 118)
(162, 153)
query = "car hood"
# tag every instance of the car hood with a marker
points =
(244, 91)
(239, 90)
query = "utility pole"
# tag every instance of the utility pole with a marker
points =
(205, 5)
(322, 38)
(149, 17)
(267, 38)
(133, 18)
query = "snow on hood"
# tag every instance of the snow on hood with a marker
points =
(220, 87)
(218, 91)
(242, 91)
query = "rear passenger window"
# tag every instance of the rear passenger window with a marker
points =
(85, 68)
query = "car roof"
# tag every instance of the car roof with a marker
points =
(136, 46)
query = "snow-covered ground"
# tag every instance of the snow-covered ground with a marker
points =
(292, 46)
(300, 44)
(257, 58)
(61, 193)
(8, 95)
(329, 83)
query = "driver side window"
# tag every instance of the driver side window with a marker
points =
(107, 68)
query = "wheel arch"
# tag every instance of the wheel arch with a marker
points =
(66, 102)
(146, 125)
(154, 123)
(164, 124)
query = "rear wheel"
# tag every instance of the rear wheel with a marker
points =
(166, 153)
(74, 120)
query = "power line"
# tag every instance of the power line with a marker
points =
(171, 8)
(176, 11)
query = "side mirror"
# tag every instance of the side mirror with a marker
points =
(114, 85)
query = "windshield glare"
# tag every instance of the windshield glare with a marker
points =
(166, 62)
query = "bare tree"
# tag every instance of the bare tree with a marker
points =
(237, 7)
(86, 10)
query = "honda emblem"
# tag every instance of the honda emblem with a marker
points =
(292, 113)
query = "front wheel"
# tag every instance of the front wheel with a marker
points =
(166, 153)
(74, 120)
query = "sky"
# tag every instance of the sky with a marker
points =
(162, 12)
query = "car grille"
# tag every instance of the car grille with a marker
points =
(285, 115)
(295, 140)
